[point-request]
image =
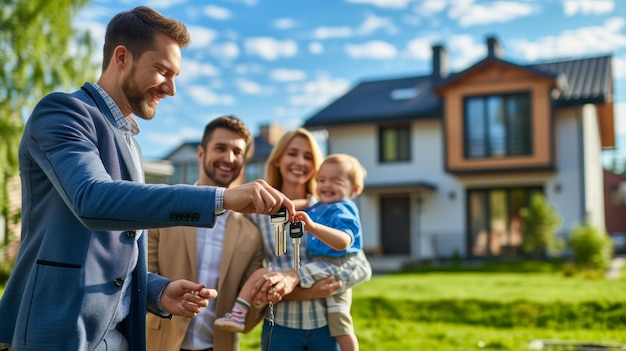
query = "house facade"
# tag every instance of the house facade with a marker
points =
(452, 158)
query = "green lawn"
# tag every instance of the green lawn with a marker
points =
(499, 306)
(496, 306)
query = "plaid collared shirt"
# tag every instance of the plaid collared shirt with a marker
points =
(128, 127)
(309, 314)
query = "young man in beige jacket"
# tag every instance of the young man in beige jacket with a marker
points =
(222, 257)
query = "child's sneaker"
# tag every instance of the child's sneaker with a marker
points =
(231, 323)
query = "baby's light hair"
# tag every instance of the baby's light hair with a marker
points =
(355, 171)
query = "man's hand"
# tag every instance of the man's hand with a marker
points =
(273, 286)
(256, 197)
(185, 298)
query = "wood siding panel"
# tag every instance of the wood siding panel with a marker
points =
(495, 80)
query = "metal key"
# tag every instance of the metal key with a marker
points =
(278, 220)
(296, 230)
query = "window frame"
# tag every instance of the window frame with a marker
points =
(512, 122)
(402, 136)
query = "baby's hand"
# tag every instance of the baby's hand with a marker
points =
(302, 216)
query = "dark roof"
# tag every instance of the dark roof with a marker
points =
(586, 80)
(371, 101)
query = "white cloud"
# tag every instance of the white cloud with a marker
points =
(430, 7)
(576, 42)
(466, 51)
(619, 67)
(201, 37)
(249, 87)
(375, 49)
(192, 70)
(174, 137)
(225, 51)
(390, 4)
(284, 23)
(97, 32)
(161, 4)
(587, 7)
(270, 49)
(468, 13)
(217, 12)
(251, 68)
(318, 92)
(249, 3)
(316, 48)
(372, 23)
(420, 48)
(287, 75)
(205, 97)
(322, 33)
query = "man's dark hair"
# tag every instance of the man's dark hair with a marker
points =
(136, 30)
(232, 124)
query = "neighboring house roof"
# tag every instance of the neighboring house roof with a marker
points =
(262, 149)
(188, 144)
(580, 81)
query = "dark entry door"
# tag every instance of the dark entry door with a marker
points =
(395, 225)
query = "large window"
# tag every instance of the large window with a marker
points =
(495, 224)
(394, 144)
(497, 126)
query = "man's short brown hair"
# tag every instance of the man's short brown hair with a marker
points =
(137, 29)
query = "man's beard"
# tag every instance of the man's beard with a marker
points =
(139, 103)
(217, 180)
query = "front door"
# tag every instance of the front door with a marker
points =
(395, 225)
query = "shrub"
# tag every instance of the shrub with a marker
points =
(540, 223)
(591, 246)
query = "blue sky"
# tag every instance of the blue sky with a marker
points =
(281, 61)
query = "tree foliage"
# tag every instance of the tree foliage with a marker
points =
(40, 51)
(541, 222)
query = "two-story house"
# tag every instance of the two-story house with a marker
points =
(452, 158)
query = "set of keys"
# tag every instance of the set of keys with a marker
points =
(280, 221)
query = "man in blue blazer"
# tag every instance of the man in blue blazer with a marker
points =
(80, 280)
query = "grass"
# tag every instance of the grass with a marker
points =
(493, 306)
(490, 306)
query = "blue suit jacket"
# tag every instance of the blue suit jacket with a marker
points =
(81, 210)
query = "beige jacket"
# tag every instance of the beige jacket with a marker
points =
(172, 253)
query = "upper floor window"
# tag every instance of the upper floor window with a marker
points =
(394, 144)
(497, 125)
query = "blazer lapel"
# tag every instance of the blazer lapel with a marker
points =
(231, 236)
(190, 238)
(122, 147)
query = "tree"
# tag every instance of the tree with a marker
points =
(541, 221)
(39, 52)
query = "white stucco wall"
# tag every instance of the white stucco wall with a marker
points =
(569, 160)
(441, 215)
(594, 177)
